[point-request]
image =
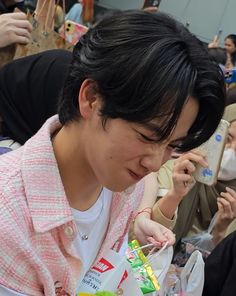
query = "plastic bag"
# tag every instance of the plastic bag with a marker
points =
(113, 273)
(201, 242)
(192, 275)
(160, 262)
(186, 281)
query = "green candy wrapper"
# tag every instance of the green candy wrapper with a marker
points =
(142, 270)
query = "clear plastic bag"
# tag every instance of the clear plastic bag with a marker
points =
(201, 242)
(186, 281)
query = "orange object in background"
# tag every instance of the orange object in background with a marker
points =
(88, 11)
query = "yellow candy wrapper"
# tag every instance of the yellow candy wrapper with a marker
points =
(143, 272)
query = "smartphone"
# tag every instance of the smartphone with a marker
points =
(151, 3)
(72, 31)
(213, 151)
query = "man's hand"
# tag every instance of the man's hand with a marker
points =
(182, 172)
(14, 28)
(148, 231)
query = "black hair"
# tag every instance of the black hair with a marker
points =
(146, 66)
(232, 37)
(218, 54)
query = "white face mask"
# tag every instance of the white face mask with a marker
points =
(228, 165)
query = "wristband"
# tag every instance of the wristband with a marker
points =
(145, 210)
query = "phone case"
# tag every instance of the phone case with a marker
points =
(72, 31)
(213, 151)
(151, 3)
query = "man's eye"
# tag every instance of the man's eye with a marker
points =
(170, 147)
(147, 139)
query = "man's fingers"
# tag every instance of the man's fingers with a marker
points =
(163, 234)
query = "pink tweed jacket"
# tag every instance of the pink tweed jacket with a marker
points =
(36, 224)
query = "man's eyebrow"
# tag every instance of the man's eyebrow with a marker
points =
(153, 127)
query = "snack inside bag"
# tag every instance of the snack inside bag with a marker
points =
(141, 268)
(106, 274)
(130, 275)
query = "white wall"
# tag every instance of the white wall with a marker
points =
(121, 4)
(205, 17)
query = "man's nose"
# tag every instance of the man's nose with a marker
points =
(154, 161)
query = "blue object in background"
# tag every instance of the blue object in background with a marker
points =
(230, 76)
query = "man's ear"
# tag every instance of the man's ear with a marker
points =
(89, 99)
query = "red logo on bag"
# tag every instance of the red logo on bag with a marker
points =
(125, 275)
(103, 265)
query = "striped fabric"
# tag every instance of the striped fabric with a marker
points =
(36, 224)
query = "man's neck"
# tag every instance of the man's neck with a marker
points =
(81, 185)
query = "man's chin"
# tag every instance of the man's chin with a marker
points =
(120, 187)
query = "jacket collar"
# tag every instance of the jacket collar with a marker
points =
(42, 182)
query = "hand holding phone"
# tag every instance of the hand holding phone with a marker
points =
(212, 150)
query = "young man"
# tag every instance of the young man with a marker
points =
(139, 86)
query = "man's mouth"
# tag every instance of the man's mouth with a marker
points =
(135, 176)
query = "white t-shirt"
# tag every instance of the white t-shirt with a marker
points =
(93, 223)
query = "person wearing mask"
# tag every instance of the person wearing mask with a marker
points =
(190, 209)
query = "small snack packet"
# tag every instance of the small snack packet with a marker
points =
(143, 272)
(105, 275)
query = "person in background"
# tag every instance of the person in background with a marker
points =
(139, 86)
(14, 27)
(75, 13)
(230, 46)
(190, 209)
(10, 5)
(33, 97)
